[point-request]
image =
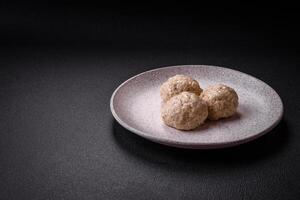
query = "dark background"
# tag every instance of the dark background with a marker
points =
(60, 62)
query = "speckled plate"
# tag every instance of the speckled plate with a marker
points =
(135, 104)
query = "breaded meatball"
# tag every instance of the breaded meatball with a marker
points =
(222, 101)
(178, 84)
(184, 111)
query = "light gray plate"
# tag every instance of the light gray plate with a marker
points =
(135, 104)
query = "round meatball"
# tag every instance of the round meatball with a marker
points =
(222, 101)
(177, 84)
(184, 111)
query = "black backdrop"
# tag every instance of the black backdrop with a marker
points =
(60, 63)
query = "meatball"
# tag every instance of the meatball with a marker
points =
(222, 101)
(178, 84)
(184, 111)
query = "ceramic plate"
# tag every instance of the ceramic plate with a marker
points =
(135, 104)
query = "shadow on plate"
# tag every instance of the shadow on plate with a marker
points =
(210, 123)
(258, 150)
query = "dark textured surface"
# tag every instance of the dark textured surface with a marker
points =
(58, 139)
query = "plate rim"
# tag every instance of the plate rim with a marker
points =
(196, 145)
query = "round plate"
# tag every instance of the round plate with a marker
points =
(135, 104)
